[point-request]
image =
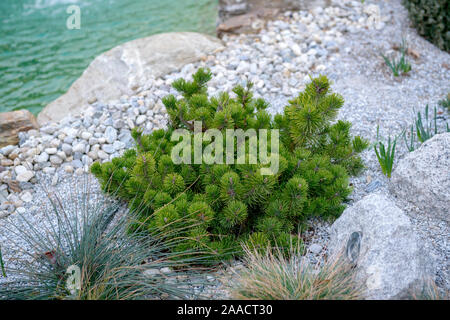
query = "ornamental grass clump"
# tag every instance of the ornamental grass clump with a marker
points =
(425, 129)
(401, 65)
(225, 204)
(429, 291)
(270, 275)
(386, 154)
(80, 250)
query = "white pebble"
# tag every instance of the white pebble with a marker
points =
(51, 150)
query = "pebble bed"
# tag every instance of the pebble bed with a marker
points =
(343, 41)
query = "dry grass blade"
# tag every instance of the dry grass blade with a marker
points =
(270, 275)
(430, 291)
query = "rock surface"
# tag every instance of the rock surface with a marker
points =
(391, 260)
(11, 123)
(422, 177)
(128, 66)
(248, 16)
(230, 8)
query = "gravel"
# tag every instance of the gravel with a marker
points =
(344, 42)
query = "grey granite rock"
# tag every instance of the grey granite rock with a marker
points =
(422, 177)
(391, 260)
(127, 66)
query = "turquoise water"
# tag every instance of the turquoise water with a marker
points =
(40, 58)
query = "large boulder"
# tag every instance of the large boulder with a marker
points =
(11, 123)
(423, 177)
(124, 68)
(379, 238)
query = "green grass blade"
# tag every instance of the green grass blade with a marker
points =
(2, 265)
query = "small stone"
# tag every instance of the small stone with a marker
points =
(56, 160)
(21, 210)
(79, 171)
(165, 270)
(102, 155)
(55, 179)
(77, 155)
(14, 154)
(7, 150)
(86, 160)
(77, 163)
(354, 246)
(68, 140)
(51, 150)
(62, 155)
(43, 157)
(86, 135)
(67, 148)
(151, 272)
(311, 52)
(130, 123)
(8, 207)
(101, 140)
(20, 169)
(296, 49)
(119, 124)
(125, 137)
(32, 152)
(243, 67)
(26, 196)
(141, 119)
(110, 134)
(68, 169)
(25, 176)
(3, 195)
(4, 214)
(50, 129)
(80, 147)
(374, 185)
(108, 148)
(49, 170)
(93, 155)
(315, 248)
(55, 143)
(118, 145)
(6, 162)
(93, 141)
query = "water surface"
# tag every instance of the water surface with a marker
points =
(40, 58)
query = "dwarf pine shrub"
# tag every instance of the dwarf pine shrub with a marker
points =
(223, 205)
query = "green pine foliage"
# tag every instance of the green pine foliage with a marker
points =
(431, 18)
(222, 206)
